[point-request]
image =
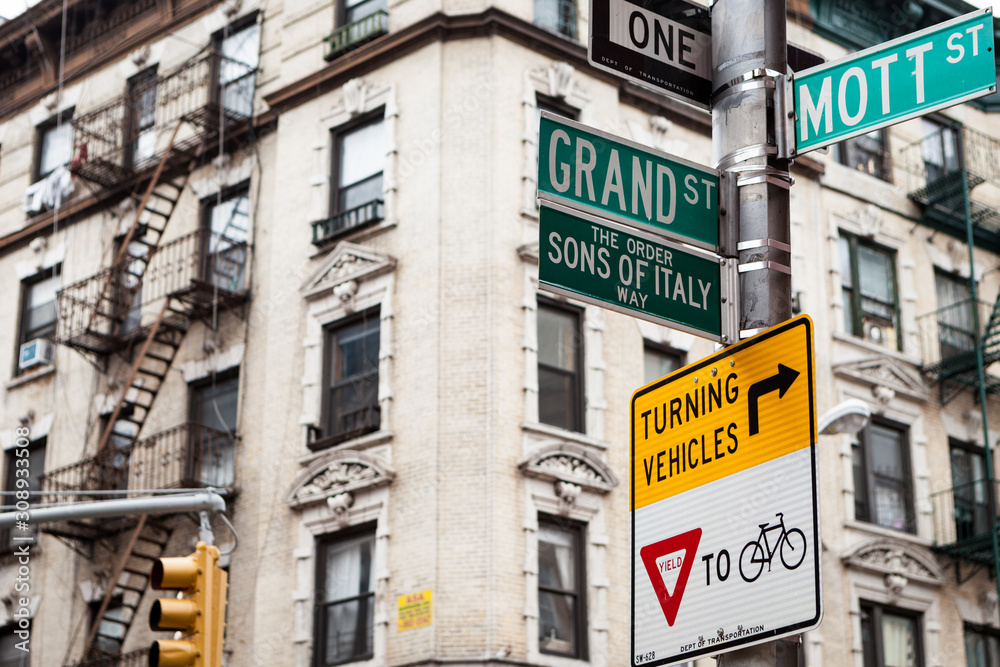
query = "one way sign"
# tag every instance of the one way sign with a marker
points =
(724, 501)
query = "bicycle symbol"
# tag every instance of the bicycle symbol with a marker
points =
(791, 547)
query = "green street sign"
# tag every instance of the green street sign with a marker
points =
(907, 77)
(641, 187)
(632, 272)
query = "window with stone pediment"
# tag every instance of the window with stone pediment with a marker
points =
(870, 291)
(562, 577)
(883, 485)
(890, 637)
(345, 609)
(350, 384)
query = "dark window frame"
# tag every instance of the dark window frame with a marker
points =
(854, 303)
(66, 116)
(136, 88)
(983, 630)
(319, 606)
(972, 449)
(580, 622)
(572, 24)
(865, 497)
(663, 349)
(337, 135)
(342, 10)
(36, 462)
(875, 611)
(579, 402)
(847, 151)
(545, 102)
(206, 207)
(22, 320)
(327, 438)
(955, 328)
(196, 389)
(23, 658)
(217, 38)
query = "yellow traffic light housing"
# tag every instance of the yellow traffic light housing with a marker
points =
(198, 613)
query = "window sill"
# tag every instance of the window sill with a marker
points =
(881, 531)
(359, 443)
(563, 434)
(30, 376)
(872, 347)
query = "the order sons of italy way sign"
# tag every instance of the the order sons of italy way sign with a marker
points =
(725, 532)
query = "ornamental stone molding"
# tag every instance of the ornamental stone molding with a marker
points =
(572, 464)
(347, 262)
(884, 372)
(898, 562)
(337, 475)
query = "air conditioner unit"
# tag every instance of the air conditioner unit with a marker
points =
(35, 353)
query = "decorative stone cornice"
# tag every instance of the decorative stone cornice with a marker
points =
(346, 263)
(340, 472)
(898, 561)
(572, 464)
(884, 372)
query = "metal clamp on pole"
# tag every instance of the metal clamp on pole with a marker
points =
(784, 117)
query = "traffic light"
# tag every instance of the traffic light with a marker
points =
(198, 613)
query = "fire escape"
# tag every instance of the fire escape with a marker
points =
(955, 176)
(130, 318)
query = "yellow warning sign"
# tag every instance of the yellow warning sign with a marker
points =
(745, 405)
(414, 610)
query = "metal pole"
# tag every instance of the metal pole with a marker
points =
(979, 337)
(748, 53)
(189, 502)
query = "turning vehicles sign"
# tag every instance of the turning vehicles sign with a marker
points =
(739, 424)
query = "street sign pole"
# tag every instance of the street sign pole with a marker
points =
(748, 51)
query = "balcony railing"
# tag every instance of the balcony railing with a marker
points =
(948, 342)
(964, 517)
(184, 457)
(934, 180)
(116, 141)
(353, 35)
(327, 231)
(98, 313)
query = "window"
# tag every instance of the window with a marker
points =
(560, 362)
(129, 283)
(345, 605)
(358, 160)
(239, 54)
(971, 491)
(11, 537)
(868, 277)
(227, 221)
(882, 481)
(559, 16)
(890, 637)
(659, 360)
(10, 655)
(956, 332)
(118, 452)
(140, 117)
(553, 105)
(350, 401)
(940, 149)
(982, 647)
(355, 10)
(54, 145)
(562, 605)
(214, 405)
(38, 306)
(868, 153)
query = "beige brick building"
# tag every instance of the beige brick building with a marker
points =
(309, 231)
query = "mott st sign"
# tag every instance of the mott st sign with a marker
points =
(661, 44)
(724, 501)
(629, 271)
(615, 178)
(907, 77)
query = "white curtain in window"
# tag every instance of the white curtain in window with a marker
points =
(897, 641)
(343, 572)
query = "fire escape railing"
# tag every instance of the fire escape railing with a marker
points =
(183, 457)
(353, 35)
(123, 138)
(964, 518)
(101, 313)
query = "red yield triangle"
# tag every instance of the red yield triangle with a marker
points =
(668, 564)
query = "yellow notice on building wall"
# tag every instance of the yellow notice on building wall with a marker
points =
(414, 610)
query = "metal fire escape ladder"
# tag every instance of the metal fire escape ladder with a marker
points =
(147, 373)
(129, 579)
